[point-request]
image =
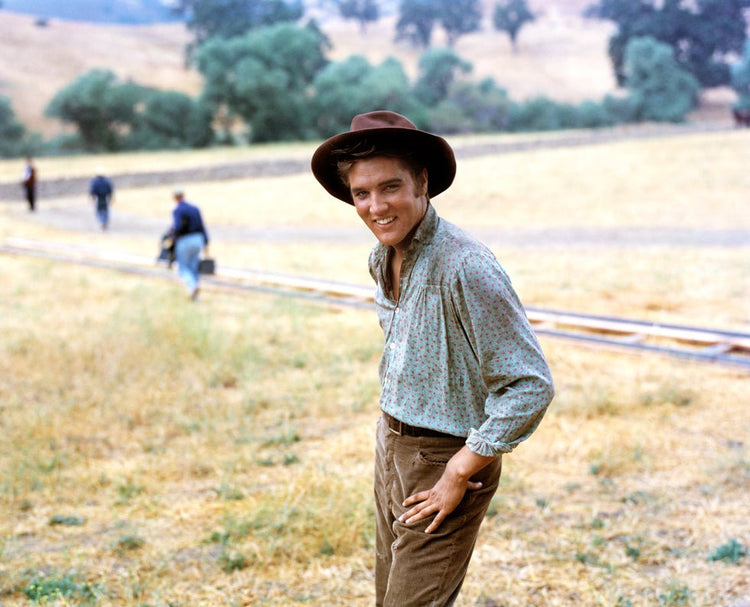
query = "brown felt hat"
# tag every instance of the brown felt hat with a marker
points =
(395, 131)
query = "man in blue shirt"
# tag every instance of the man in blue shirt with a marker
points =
(101, 191)
(463, 377)
(190, 237)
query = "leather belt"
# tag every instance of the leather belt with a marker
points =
(401, 429)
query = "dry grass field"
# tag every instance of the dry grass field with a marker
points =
(161, 452)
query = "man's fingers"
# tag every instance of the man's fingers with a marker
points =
(437, 521)
(417, 513)
(417, 497)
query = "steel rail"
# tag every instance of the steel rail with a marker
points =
(723, 347)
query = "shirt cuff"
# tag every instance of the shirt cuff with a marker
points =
(481, 446)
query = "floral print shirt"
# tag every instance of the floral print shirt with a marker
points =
(460, 356)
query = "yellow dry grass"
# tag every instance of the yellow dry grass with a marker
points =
(220, 453)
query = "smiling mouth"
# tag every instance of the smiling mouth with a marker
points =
(385, 221)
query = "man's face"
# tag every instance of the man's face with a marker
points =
(388, 199)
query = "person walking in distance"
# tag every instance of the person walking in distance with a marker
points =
(190, 237)
(463, 377)
(28, 181)
(102, 192)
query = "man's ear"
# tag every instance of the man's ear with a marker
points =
(423, 188)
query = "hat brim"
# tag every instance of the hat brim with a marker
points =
(434, 151)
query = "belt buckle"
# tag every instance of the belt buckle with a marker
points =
(400, 426)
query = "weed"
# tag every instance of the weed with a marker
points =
(290, 458)
(288, 438)
(67, 519)
(129, 491)
(326, 549)
(44, 590)
(639, 497)
(227, 492)
(129, 542)
(634, 552)
(588, 558)
(675, 595)
(232, 561)
(732, 552)
(218, 537)
(668, 395)
(53, 464)
(233, 530)
(494, 508)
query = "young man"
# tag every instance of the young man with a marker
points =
(102, 193)
(463, 377)
(28, 181)
(190, 236)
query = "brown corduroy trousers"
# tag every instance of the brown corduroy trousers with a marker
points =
(413, 568)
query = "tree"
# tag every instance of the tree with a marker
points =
(438, 69)
(741, 79)
(12, 132)
(415, 22)
(170, 119)
(102, 108)
(229, 18)
(363, 11)
(659, 89)
(720, 31)
(471, 108)
(112, 115)
(417, 18)
(704, 34)
(263, 78)
(459, 17)
(353, 86)
(510, 16)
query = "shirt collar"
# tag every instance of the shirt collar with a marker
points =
(422, 237)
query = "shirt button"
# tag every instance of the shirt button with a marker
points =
(392, 346)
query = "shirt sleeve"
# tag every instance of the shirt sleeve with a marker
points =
(513, 367)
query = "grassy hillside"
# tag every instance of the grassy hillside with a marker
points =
(560, 55)
(38, 61)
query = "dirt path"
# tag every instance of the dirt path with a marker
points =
(80, 217)
(71, 186)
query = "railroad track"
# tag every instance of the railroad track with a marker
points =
(730, 348)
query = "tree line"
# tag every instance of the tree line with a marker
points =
(267, 77)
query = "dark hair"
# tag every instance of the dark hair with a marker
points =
(363, 149)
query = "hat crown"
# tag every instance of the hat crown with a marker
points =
(398, 132)
(381, 119)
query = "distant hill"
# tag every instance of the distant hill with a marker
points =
(561, 55)
(94, 11)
